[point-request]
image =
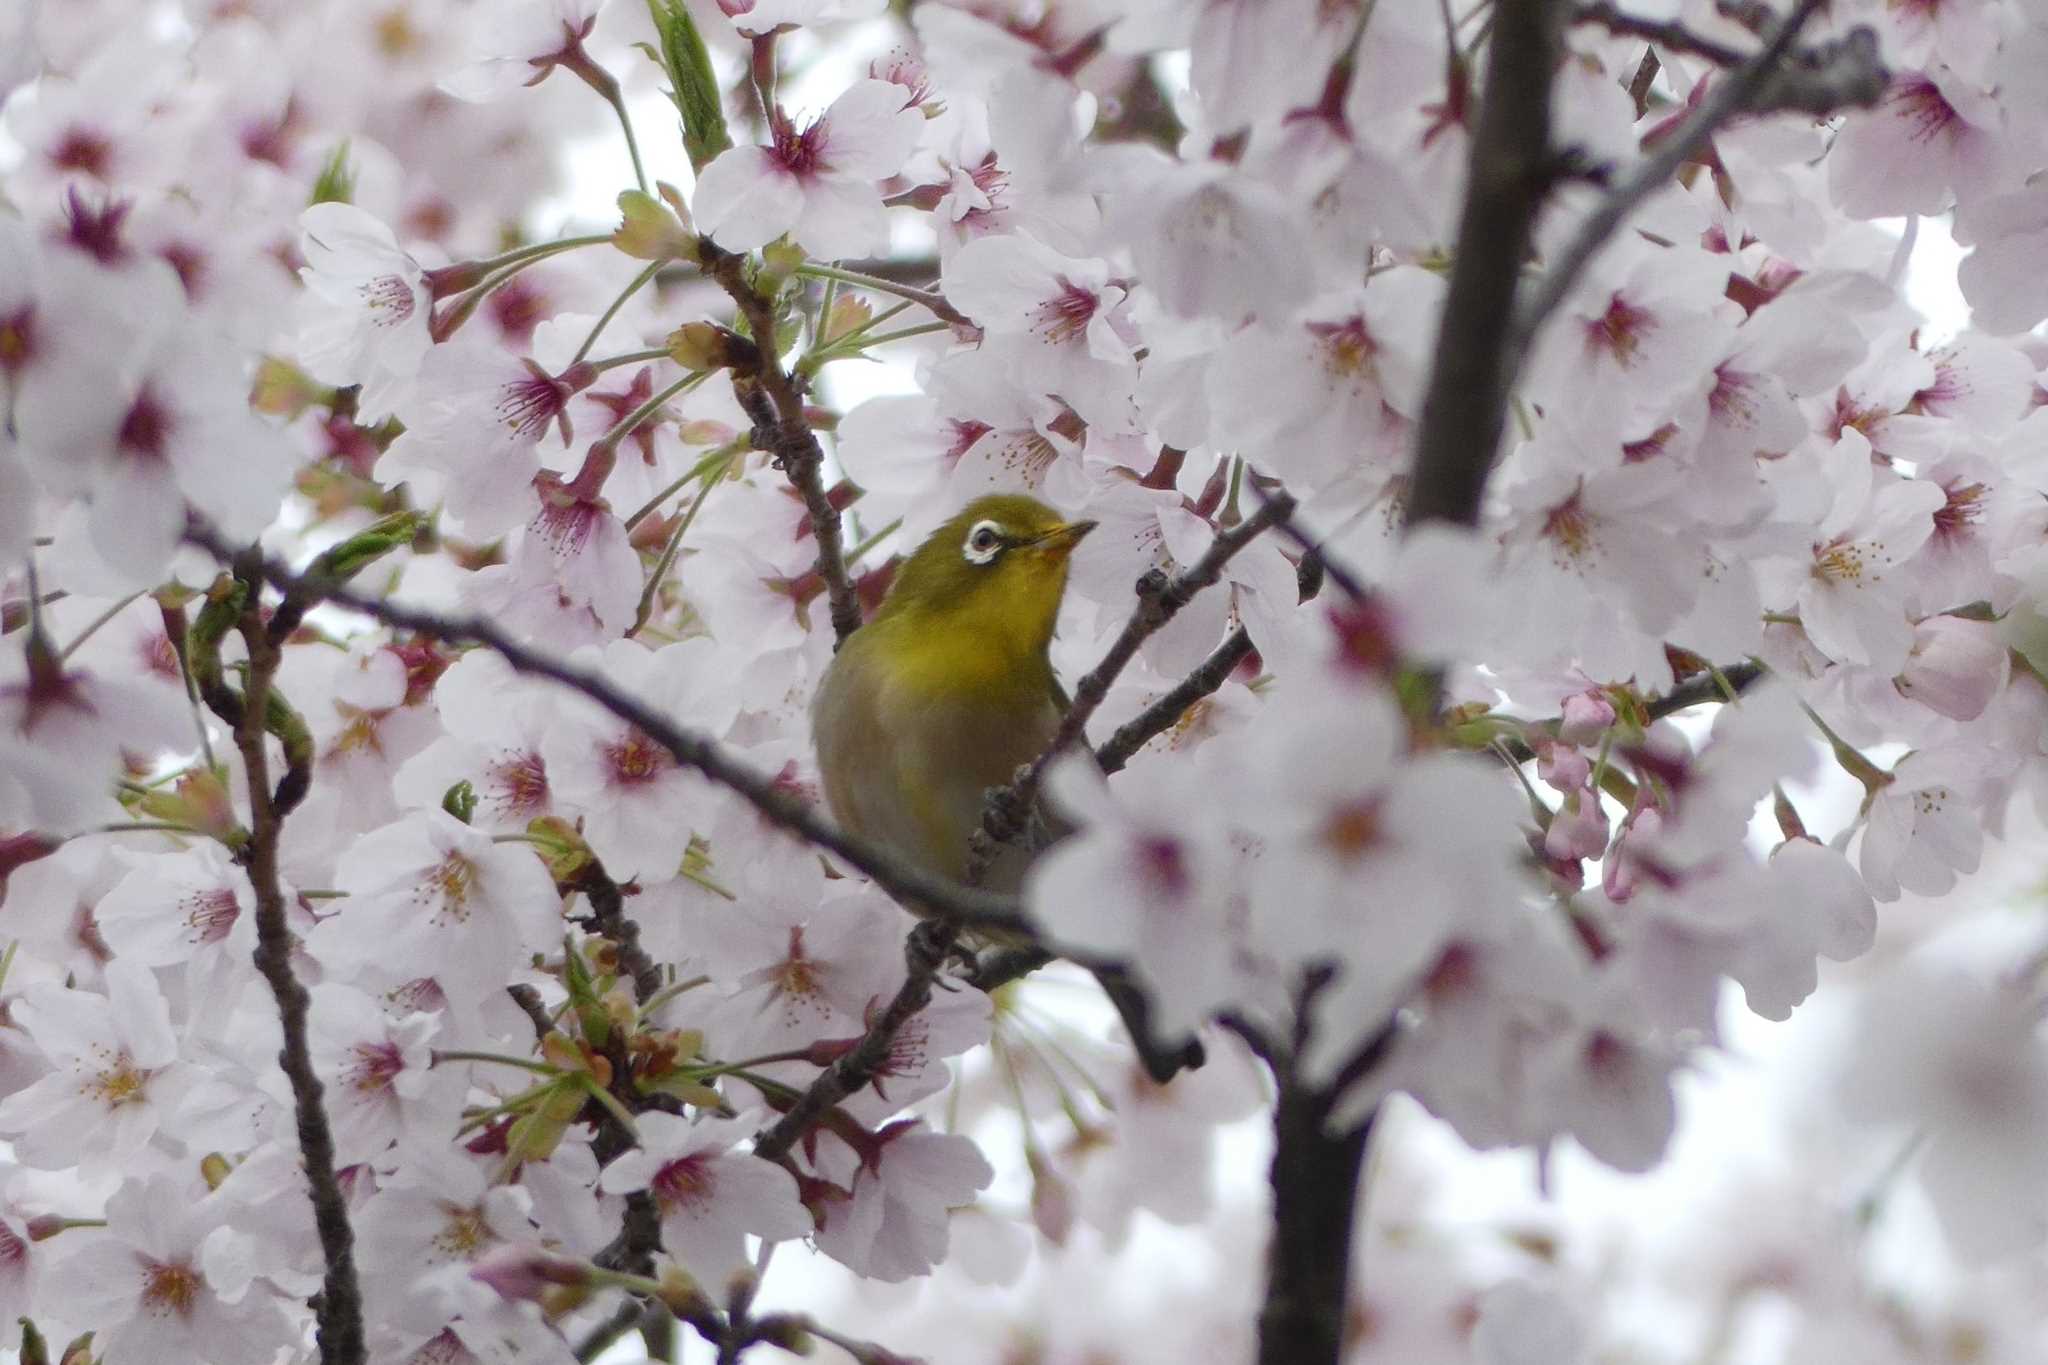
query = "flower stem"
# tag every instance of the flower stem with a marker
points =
(853, 556)
(453, 1054)
(669, 551)
(109, 614)
(534, 251)
(924, 297)
(922, 329)
(625, 425)
(697, 471)
(630, 358)
(639, 282)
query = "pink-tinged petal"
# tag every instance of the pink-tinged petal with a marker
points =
(868, 134)
(746, 198)
(841, 218)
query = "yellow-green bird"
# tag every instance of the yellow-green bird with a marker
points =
(947, 690)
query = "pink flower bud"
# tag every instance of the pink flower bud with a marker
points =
(1562, 766)
(1586, 714)
(1956, 666)
(523, 1271)
(1579, 829)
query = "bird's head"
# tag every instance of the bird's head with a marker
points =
(997, 569)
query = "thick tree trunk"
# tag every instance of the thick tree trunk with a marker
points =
(1308, 1267)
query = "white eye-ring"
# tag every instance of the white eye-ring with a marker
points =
(984, 542)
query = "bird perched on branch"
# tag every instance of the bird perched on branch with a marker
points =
(947, 691)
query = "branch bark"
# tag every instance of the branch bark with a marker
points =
(775, 403)
(1466, 404)
(968, 907)
(340, 1313)
(1834, 75)
(924, 953)
(1315, 1177)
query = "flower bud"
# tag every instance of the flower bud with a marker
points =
(707, 346)
(522, 1270)
(1585, 715)
(1579, 829)
(649, 232)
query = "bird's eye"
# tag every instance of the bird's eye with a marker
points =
(983, 542)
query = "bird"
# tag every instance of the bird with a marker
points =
(946, 692)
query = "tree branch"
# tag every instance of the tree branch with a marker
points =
(1706, 687)
(924, 952)
(1315, 1177)
(1473, 368)
(1160, 599)
(1163, 714)
(775, 403)
(968, 907)
(1670, 35)
(340, 1313)
(1843, 72)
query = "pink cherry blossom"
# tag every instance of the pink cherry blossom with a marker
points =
(365, 310)
(418, 887)
(711, 1197)
(171, 1275)
(816, 183)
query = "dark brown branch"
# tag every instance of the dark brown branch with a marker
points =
(966, 906)
(608, 915)
(1466, 405)
(1160, 599)
(1165, 713)
(1315, 1177)
(1645, 77)
(1832, 76)
(1706, 687)
(340, 1314)
(1670, 35)
(924, 953)
(530, 1004)
(775, 403)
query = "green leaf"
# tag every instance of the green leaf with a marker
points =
(336, 183)
(693, 87)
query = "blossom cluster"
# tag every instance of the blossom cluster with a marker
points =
(1488, 815)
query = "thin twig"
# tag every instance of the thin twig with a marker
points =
(530, 1004)
(1705, 688)
(1838, 74)
(1008, 809)
(1165, 713)
(924, 953)
(608, 913)
(1667, 34)
(340, 1331)
(774, 401)
(966, 906)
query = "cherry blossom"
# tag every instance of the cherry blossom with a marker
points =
(711, 1198)
(363, 452)
(366, 305)
(171, 1273)
(816, 182)
(419, 884)
(115, 1072)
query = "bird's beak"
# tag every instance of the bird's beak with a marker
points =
(1061, 540)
